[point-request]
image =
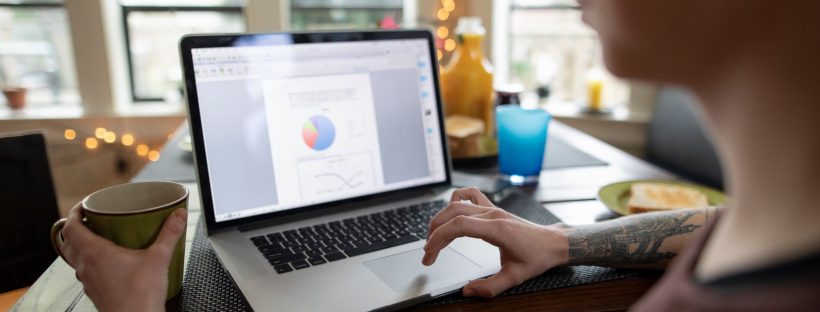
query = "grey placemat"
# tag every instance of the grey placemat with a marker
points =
(560, 154)
(175, 165)
(207, 286)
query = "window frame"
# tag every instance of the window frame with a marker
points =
(128, 9)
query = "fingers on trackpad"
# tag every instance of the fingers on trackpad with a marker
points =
(404, 271)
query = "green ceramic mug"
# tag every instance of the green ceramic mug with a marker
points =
(131, 215)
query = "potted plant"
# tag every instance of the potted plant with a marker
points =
(15, 95)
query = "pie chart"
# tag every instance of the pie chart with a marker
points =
(318, 132)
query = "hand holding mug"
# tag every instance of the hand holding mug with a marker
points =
(117, 278)
(126, 243)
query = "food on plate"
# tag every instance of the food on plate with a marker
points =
(464, 135)
(647, 197)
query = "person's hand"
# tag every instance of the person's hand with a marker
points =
(117, 278)
(527, 249)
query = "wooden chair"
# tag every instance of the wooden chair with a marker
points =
(28, 208)
(678, 141)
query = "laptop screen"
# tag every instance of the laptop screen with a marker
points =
(293, 125)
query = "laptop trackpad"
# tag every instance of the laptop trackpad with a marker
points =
(404, 271)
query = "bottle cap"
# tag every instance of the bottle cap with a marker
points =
(470, 25)
(509, 88)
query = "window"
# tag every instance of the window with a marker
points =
(338, 14)
(36, 52)
(152, 32)
(551, 46)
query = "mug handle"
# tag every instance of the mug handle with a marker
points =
(57, 237)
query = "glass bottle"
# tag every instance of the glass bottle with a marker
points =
(467, 89)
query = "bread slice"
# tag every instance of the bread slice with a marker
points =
(648, 197)
(464, 135)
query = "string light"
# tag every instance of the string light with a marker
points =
(91, 143)
(142, 149)
(443, 14)
(449, 5)
(153, 155)
(443, 32)
(70, 134)
(100, 132)
(127, 139)
(449, 45)
(110, 137)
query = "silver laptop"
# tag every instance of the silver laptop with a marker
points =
(321, 158)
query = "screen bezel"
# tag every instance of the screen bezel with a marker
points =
(189, 42)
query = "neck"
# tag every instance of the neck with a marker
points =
(764, 111)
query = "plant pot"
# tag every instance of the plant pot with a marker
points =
(16, 97)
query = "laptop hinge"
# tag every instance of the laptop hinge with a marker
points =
(337, 209)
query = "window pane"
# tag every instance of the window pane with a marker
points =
(544, 3)
(31, 1)
(153, 38)
(183, 2)
(36, 53)
(554, 47)
(342, 14)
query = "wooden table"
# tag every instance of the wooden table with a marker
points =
(569, 193)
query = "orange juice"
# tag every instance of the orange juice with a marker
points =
(467, 89)
(595, 88)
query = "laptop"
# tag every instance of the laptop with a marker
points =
(321, 157)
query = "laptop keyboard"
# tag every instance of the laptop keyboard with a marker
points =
(319, 244)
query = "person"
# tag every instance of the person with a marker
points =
(117, 278)
(754, 66)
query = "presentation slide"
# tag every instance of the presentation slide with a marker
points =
(324, 137)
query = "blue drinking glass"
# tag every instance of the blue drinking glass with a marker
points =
(522, 135)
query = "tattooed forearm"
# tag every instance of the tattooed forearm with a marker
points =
(641, 240)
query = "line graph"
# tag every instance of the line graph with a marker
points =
(350, 182)
(336, 175)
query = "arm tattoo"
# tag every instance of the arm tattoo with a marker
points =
(628, 241)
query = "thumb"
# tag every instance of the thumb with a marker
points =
(170, 233)
(491, 286)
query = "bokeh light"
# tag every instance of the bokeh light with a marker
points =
(142, 149)
(70, 134)
(153, 155)
(449, 5)
(442, 14)
(100, 132)
(449, 45)
(91, 143)
(110, 137)
(443, 32)
(127, 139)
